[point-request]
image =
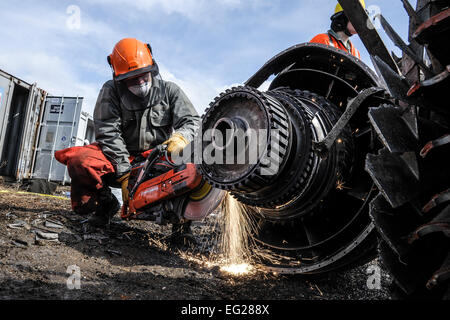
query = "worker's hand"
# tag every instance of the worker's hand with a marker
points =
(176, 143)
(123, 180)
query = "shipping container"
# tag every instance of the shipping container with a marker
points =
(21, 107)
(63, 126)
(33, 125)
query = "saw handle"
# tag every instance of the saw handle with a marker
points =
(151, 159)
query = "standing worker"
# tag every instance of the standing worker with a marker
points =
(341, 31)
(135, 112)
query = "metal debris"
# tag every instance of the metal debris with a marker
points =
(95, 236)
(53, 224)
(46, 214)
(20, 243)
(19, 224)
(44, 238)
(11, 215)
(46, 235)
(35, 222)
(114, 252)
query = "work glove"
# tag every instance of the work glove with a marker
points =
(123, 180)
(176, 143)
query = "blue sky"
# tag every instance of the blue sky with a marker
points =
(205, 46)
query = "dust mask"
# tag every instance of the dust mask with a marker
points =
(141, 90)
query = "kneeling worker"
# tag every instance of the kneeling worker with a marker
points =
(135, 111)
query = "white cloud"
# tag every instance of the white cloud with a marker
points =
(73, 62)
(53, 74)
(195, 10)
(200, 90)
(38, 47)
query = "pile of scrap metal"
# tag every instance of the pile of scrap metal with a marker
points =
(411, 171)
(359, 158)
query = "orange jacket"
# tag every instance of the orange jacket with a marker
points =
(329, 40)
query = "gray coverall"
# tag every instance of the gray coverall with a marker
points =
(127, 125)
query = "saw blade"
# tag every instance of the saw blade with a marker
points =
(199, 209)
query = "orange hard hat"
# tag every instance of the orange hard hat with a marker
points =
(131, 57)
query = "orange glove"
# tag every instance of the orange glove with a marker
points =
(123, 180)
(176, 143)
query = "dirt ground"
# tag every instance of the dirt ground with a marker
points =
(134, 260)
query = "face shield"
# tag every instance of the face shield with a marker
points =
(142, 90)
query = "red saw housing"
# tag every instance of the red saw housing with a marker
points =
(173, 183)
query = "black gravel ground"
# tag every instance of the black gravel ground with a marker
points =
(134, 260)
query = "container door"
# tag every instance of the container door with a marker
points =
(14, 133)
(30, 133)
(58, 131)
(6, 87)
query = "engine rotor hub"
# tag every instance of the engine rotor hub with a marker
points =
(309, 209)
(274, 165)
